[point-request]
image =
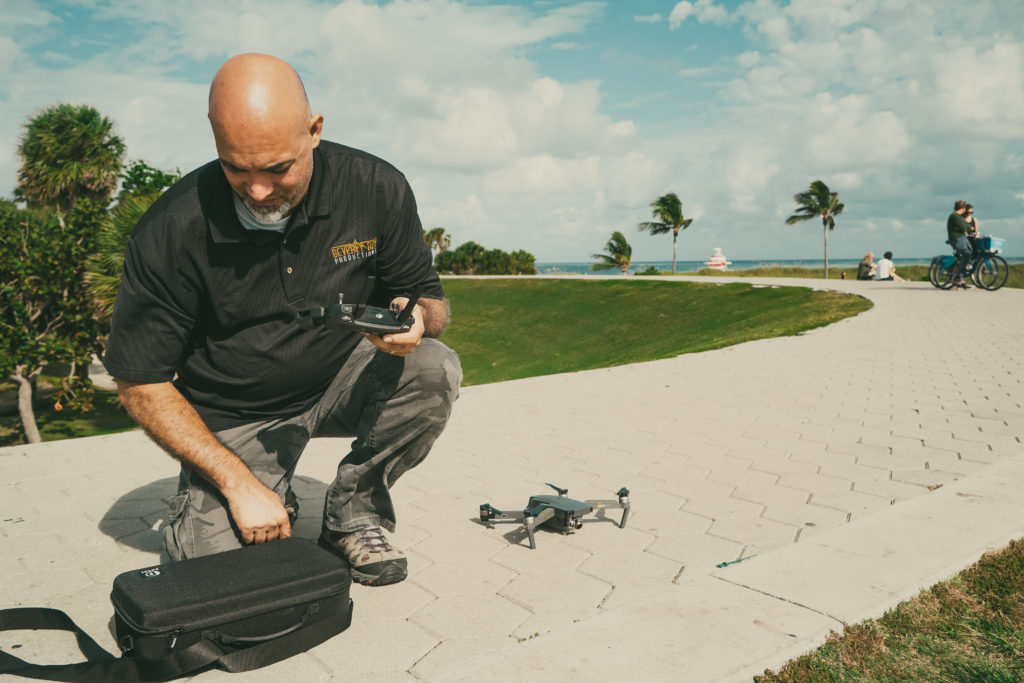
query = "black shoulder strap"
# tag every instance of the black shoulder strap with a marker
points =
(100, 665)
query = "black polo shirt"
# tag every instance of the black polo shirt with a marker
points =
(212, 303)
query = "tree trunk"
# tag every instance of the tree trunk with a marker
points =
(80, 370)
(825, 227)
(25, 411)
(674, 236)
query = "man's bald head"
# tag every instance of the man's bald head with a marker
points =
(257, 89)
(265, 133)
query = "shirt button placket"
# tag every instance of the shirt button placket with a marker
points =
(288, 277)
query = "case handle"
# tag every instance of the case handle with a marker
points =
(229, 639)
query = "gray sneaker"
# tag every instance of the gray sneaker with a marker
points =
(372, 560)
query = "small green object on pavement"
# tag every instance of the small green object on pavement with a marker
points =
(726, 564)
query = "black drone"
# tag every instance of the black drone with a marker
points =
(360, 317)
(558, 512)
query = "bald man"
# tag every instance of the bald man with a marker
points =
(210, 361)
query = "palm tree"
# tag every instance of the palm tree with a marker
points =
(437, 238)
(103, 268)
(818, 201)
(68, 152)
(619, 255)
(669, 212)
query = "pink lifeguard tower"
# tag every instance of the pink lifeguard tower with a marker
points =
(717, 260)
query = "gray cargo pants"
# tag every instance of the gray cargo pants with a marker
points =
(395, 407)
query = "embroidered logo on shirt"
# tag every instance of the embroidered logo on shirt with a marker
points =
(354, 250)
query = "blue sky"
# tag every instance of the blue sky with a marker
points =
(546, 125)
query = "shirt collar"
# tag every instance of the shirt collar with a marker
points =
(219, 210)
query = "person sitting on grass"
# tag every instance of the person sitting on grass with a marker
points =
(886, 269)
(866, 267)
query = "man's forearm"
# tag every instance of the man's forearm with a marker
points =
(175, 426)
(173, 423)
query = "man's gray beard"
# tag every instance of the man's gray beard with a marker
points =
(268, 215)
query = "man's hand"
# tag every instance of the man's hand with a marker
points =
(174, 424)
(403, 343)
(257, 512)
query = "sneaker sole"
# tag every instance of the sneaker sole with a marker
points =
(392, 572)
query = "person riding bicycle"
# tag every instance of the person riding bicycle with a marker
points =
(957, 230)
(974, 232)
(971, 220)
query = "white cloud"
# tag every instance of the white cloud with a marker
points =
(985, 86)
(647, 18)
(8, 53)
(896, 106)
(748, 59)
(705, 11)
(679, 14)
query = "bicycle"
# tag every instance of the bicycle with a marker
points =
(986, 268)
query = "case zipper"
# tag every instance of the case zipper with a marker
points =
(174, 638)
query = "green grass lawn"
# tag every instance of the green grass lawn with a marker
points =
(514, 328)
(970, 628)
(508, 329)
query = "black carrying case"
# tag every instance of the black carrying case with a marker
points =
(239, 610)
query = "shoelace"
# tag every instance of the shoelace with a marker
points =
(373, 540)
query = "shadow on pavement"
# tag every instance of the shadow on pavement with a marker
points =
(138, 517)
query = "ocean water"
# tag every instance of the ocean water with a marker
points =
(834, 265)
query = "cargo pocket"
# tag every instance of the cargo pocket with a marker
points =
(175, 529)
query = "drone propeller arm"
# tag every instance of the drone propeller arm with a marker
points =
(489, 512)
(622, 502)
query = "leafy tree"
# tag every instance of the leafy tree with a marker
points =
(649, 270)
(142, 179)
(494, 262)
(471, 258)
(464, 260)
(436, 238)
(668, 211)
(523, 263)
(45, 314)
(818, 201)
(68, 153)
(141, 185)
(619, 254)
(103, 267)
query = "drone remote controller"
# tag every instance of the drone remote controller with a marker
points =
(360, 317)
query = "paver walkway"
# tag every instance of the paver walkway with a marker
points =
(848, 444)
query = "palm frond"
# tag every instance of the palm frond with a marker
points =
(655, 228)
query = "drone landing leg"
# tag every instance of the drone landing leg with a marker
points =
(531, 521)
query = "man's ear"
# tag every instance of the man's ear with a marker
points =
(316, 126)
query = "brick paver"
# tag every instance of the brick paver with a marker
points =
(728, 454)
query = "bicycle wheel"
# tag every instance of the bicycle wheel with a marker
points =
(945, 277)
(991, 272)
(933, 271)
